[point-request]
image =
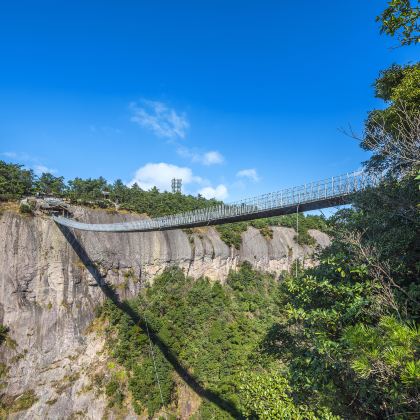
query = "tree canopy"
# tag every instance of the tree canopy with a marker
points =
(401, 19)
(15, 181)
(393, 133)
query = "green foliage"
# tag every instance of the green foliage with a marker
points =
(4, 331)
(211, 411)
(24, 401)
(25, 208)
(87, 191)
(231, 233)
(340, 352)
(114, 393)
(269, 396)
(214, 331)
(347, 335)
(402, 19)
(338, 340)
(143, 383)
(131, 349)
(389, 132)
(152, 202)
(399, 84)
(156, 203)
(49, 184)
(385, 356)
(9, 405)
(388, 219)
(14, 181)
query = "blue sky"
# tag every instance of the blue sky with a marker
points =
(236, 97)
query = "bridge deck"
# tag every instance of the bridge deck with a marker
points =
(316, 195)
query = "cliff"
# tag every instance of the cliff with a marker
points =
(50, 285)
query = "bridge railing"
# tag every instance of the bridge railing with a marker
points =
(339, 186)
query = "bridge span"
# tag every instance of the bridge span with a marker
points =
(313, 196)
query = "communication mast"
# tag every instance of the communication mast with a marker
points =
(176, 185)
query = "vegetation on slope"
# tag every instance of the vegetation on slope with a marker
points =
(4, 331)
(231, 233)
(215, 332)
(14, 404)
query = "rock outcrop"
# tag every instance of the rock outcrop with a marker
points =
(50, 286)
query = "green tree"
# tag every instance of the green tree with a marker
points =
(15, 181)
(50, 184)
(87, 190)
(269, 396)
(119, 192)
(341, 341)
(393, 133)
(401, 18)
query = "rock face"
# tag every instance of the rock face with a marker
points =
(49, 291)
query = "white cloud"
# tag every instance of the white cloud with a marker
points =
(212, 157)
(160, 175)
(249, 173)
(219, 193)
(40, 169)
(159, 118)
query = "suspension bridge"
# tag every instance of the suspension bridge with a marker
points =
(317, 195)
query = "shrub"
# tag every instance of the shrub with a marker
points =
(25, 208)
(114, 393)
(3, 333)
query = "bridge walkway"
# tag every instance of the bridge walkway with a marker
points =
(313, 196)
